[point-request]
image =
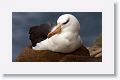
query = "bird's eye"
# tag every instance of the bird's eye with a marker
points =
(66, 22)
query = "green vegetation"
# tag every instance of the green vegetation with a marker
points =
(98, 41)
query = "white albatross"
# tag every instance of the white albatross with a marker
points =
(64, 37)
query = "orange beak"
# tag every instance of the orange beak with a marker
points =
(55, 30)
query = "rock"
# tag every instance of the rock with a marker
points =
(95, 52)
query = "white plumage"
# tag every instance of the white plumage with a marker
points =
(64, 37)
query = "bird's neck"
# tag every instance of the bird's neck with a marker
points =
(70, 34)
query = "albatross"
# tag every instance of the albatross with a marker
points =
(64, 37)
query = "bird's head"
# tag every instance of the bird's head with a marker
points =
(65, 23)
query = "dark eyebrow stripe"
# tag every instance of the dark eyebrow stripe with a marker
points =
(66, 22)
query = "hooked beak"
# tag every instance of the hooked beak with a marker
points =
(55, 30)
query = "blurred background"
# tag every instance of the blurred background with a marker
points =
(90, 26)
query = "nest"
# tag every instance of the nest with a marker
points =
(80, 55)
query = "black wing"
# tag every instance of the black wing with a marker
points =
(39, 33)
